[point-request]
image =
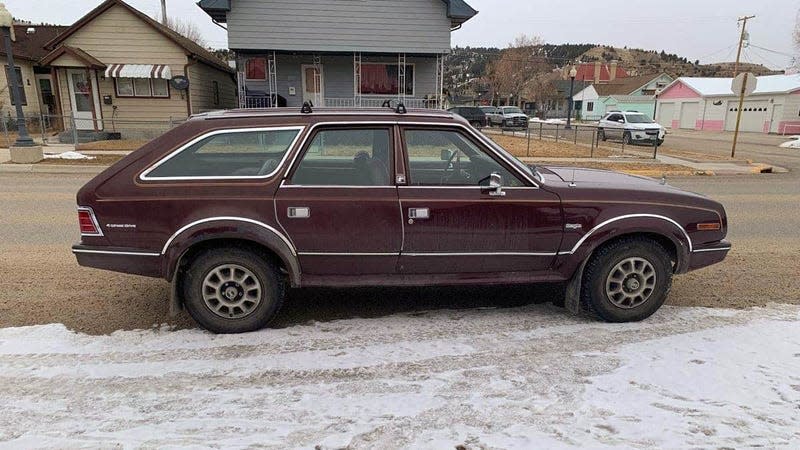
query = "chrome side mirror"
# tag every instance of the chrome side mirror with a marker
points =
(496, 185)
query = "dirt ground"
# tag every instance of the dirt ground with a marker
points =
(546, 148)
(117, 145)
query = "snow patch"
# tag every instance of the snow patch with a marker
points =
(67, 155)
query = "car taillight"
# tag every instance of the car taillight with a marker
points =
(88, 223)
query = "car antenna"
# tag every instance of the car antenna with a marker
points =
(572, 182)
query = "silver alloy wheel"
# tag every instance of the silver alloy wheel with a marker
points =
(231, 291)
(631, 282)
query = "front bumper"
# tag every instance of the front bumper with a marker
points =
(708, 254)
(119, 259)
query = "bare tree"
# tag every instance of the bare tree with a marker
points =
(186, 29)
(516, 66)
(542, 88)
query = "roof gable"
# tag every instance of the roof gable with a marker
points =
(30, 46)
(190, 47)
(458, 11)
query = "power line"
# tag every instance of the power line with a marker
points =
(772, 51)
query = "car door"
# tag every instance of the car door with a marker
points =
(454, 223)
(338, 203)
(615, 127)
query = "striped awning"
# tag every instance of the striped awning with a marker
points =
(138, 71)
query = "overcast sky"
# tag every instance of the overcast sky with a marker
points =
(696, 29)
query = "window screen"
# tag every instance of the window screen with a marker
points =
(448, 158)
(346, 157)
(230, 154)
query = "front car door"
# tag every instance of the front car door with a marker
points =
(339, 205)
(453, 222)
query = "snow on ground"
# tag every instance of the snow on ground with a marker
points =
(67, 155)
(531, 377)
(793, 143)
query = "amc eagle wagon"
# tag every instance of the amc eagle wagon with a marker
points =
(234, 207)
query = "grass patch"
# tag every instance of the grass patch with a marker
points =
(116, 145)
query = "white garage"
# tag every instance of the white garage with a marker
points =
(754, 115)
(666, 111)
(709, 104)
(689, 113)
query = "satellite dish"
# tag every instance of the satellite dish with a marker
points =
(179, 82)
(745, 80)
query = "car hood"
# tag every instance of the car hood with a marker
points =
(607, 178)
(512, 115)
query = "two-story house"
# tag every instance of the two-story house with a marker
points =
(344, 53)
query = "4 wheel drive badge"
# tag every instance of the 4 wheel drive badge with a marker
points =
(573, 226)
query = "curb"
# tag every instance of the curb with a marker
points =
(51, 168)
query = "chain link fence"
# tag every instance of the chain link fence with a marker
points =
(588, 139)
(50, 129)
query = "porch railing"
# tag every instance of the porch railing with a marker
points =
(425, 103)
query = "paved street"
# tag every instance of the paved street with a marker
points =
(43, 284)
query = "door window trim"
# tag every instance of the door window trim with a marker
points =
(315, 130)
(487, 144)
(144, 176)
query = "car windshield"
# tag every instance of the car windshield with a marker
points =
(512, 110)
(638, 118)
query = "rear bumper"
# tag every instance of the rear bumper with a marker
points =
(119, 259)
(708, 254)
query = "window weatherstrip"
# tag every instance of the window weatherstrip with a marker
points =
(144, 176)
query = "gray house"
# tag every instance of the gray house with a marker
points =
(343, 53)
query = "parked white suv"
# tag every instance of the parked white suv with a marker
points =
(631, 127)
(512, 117)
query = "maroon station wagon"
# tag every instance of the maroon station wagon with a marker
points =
(234, 207)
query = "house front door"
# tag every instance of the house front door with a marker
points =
(313, 84)
(81, 98)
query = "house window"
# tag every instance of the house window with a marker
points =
(215, 91)
(383, 79)
(142, 87)
(256, 69)
(589, 106)
(18, 73)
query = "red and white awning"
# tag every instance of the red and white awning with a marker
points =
(138, 71)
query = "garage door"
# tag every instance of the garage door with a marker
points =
(666, 111)
(754, 114)
(689, 113)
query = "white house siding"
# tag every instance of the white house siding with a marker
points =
(337, 73)
(391, 26)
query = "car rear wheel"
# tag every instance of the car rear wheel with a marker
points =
(232, 290)
(627, 280)
(626, 138)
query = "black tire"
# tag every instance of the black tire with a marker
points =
(605, 259)
(626, 138)
(601, 134)
(272, 290)
(477, 124)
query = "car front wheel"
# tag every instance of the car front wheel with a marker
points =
(232, 290)
(627, 280)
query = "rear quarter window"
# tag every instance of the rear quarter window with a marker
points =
(243, 153)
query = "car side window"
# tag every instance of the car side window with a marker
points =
(346, 157)
(449, 158)
(232, 153)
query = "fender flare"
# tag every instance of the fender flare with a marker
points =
(229, 227)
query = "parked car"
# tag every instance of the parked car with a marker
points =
(233, 207)
(493, 115)
(474, 115)
(631, 127)
(513, 117)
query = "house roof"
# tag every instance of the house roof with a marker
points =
(625, 86)
(458, 11)
(631, 98)
(30, 46)
(769, 84)
(586, 72)
(82, 56)
(190, 47)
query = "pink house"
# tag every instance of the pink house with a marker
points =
(709, 104)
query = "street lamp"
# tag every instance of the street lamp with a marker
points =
(7, 26)
(572, 74)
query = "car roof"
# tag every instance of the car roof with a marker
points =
(321, 112)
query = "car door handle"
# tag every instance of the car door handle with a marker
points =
(298, 212)
(418, 213)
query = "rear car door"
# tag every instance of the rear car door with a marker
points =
(455, 224)
(338, 202)
(615, 129)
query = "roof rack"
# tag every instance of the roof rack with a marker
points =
(307, 108)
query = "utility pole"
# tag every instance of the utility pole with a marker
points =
(164, 12)
(742, 92)
(743, 20)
